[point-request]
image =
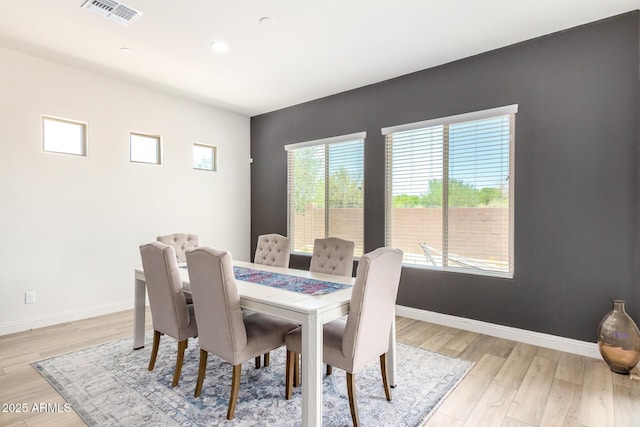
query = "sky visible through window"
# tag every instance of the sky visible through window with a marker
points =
(478, 155)
(347, 150)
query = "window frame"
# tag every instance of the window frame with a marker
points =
(159, 153)
(509, 110)
(326, 142)
(85, 135)
(214, 156)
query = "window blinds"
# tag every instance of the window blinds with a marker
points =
(326, 191)
(449, 192)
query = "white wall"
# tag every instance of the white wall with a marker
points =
(71, 226)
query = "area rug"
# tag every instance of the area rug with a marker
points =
(109, 385)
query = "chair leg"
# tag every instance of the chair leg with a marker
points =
(267, 359)
(154, 351)
(296, 370)
(182, 346)
(235, 387)
(257, 362)
(201, 371)
(351, 391)
(329, 369)
(288, 390)
(383, 370)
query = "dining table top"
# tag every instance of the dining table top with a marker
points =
(256, 293)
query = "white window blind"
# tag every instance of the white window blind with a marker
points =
(449, 192)
(325, 191)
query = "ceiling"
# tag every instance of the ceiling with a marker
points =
(315, 48)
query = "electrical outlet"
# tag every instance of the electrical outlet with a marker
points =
(29, 297)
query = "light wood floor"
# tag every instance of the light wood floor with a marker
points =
(512, 384)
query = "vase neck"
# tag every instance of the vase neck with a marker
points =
(618, 305)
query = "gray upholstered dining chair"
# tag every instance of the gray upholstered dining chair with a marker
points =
(180, 242)
(170, 313)
(351, 343)
(332, 256)
(224, 330)
(273, 249)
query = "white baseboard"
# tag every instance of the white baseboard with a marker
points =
(67, 316)
(554, 342)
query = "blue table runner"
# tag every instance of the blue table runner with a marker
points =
(286, 281)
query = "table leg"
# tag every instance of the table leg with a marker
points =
(139, 307)
(312, 371)
(391, 355)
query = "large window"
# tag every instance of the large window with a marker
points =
(449, 191)
(325, 191)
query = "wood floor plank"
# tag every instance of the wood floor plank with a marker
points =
(528, 405)
(492, 407)
(510, 422)
(549, 353)
(70, 419)
(460, 341)
(437, 341)
(478, 347)
(596, 402)
(502, 348)
(571, 368)
(563, 400)
(440, 420)
(18, 360)
(627, 380)
(465, 397)
(402, 322)
(414, 335)
(626, 402)
(516, 366)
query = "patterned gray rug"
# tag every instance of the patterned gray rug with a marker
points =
(109, 385)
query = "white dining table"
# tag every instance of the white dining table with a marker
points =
(310, 311)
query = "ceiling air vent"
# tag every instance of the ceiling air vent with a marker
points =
(112, 10)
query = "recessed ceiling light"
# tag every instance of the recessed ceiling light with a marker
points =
(267, 21)
(220, 46)
(125, 50)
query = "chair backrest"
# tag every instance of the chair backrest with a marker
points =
(216, 301)
(169, 310)
(273, 249)
(372, 305)
(180, 242)
(333, 256)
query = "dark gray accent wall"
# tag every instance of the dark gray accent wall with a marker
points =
(576, 173)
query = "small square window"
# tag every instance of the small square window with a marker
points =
(64, 136)
(205, 157)
(145, 148)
